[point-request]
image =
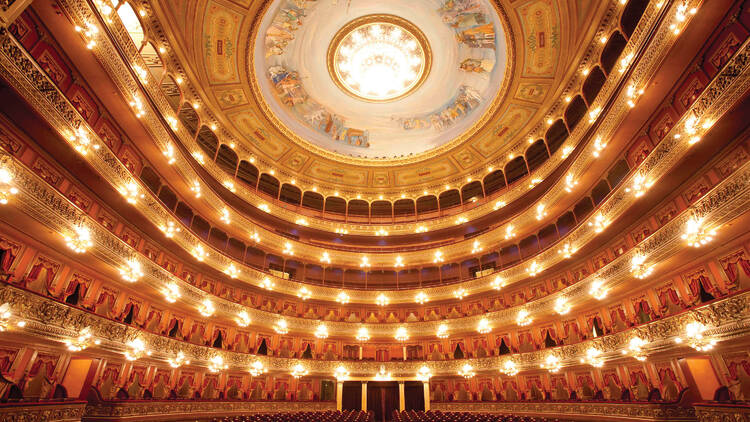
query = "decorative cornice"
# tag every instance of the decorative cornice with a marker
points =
(727, 319)
(52, 412)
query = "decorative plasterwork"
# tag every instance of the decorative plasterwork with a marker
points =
(667, 153)
(153, 410)
(37, 199)
(729, 318)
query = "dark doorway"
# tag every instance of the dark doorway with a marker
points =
(351, 397)
(382, 400)
(414, 395)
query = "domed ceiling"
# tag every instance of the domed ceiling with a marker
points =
(460, 84)
(452, 56)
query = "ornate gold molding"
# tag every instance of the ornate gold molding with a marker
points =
(52, 412)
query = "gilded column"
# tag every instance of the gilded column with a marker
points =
(401, 397)
(364, 396)
(339, 395)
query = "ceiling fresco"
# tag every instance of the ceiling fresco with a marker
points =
(497, 69)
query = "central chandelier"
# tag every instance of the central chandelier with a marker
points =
(379, 58)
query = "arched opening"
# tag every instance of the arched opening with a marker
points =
(290, 194)
(631, 15)
(449, 198)
(171, 90)
(227, 159)
(313, 200)
(189, 118)
(593, 84)
(472, 192)
(381, 209)
(358, 207)
(493, 182)
(515, 169)
(248, 174)
(427, 204)
(612, 51)
(556, 135)
(151, 179)
(269, 185)
(575, 111)
(335, 205)
(132, 24)
(536, 155)
(153, 61)
(403, 207)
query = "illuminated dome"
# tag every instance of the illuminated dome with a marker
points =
(379, 58)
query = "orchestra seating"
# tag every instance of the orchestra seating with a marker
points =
(328, 416)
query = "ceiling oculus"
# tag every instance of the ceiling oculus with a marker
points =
(379, 58)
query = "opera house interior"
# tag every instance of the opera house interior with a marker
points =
(371, 211)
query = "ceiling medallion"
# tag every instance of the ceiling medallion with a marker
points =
(379, 58)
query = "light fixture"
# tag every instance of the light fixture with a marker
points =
(299, 371)
(243, 319)
(325, 258)
(484, 326)
(83, 341)
(562, 306)
(89, 32)
(461, 220)
(7, 189)
(207, 308)
(266, 284)
(304, 293)
(132, 271)
(82, 142)
(169, 154)
(598, 290)
(551, 363)
(381, 60)
(565, 151)
(137, 105)
(362, 334)
(230, 186)
(225, 217)
(523, 318)
(199, 253)
(136, 350)
(131, 193)
(257, 368)
(567, 250)
(638, 266)
(476, 247)
(382, 375)
(5, 317)
(438, 257)
(199, 157)
(695, 338)
(625, 62)
(301, 222)
(364, 262)
(216, 364)
(635, 349)
(265, 208)
(442, 331)
(593, 114)
(424, 374)
(639, 186)
(232, 271)
(196, 189)
(540, 212)
(420, 229)
(401, 334)
(288, 249)
(171, 292)
(695, 235)
(498, 205)
(421, 298)
(466, 371)
(570, 183)
(381, 232)
(632, 95)
(460, 293)
(498, 283)
(599, 146)
(80, 241)
(382, 300)
(321, 331)
(509, 368)
(599, 223)
(533, 269)
(255, 237)
(281, 326)
(342, 298)
(399, 262)
(534, 182)
(509, 233)
(593, 357)
(341, 374)
(178, 360)
(169, 229)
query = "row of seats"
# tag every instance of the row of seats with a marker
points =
(327, 416)
(438, 416)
